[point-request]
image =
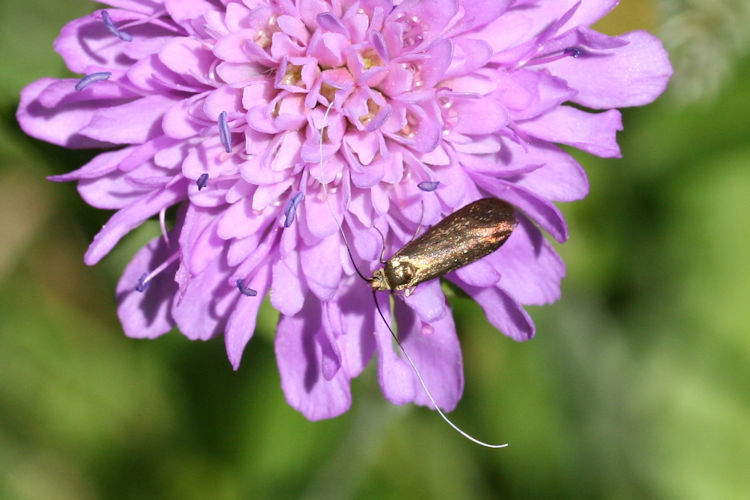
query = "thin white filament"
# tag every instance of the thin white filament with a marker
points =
(325, 190)
(163, 226)
(322, 171)
(427, 391)
(393, 334)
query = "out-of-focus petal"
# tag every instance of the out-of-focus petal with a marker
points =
(321, 266)
(299, 357)
(395, 376)
(241, 324)
(356, 338)
(287, 292)
(201, 311)
(147, 314)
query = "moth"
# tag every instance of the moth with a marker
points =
(463, 237)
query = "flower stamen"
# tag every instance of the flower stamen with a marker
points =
(202, 181)
(110, 24)
(142, 283)
(574, 52)
(225, 134)
(93, 77)
(245, 290)
(146, 278)
(428, 186)
(291, 208)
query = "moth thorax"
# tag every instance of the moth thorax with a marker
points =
(395, 275)
(398, 273)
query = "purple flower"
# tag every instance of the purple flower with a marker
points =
(222, 109)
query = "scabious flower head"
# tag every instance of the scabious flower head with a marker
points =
(267, 123)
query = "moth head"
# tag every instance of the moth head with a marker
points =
(379, 282)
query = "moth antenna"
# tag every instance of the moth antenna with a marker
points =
(374, 296)
(325, 192)
(382, 239)
(424, 385)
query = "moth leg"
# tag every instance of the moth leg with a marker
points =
(409, 290)
(419, 226)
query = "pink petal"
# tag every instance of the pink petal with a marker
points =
(594, 133)
(185, 10)
(131, 123)
(427, 301)
(102, 164)
(434, 349)
(241, 323)
(147, 314)
(542, 211)
(480, 273)
(188, 58)
(528, 94)
(394, 374)
(477, 13)
(632, 75)
(86, 42)
(480, 116)
(502, 310)
(530, 268)
(299, 356)
(112, 191)
(287, 292)
(130, 217)
(202, 309)
(356, 327)
(557, 176)
(321, 266)
(72, 111)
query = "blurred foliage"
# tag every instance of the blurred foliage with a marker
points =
(636, 386)
(705, 38)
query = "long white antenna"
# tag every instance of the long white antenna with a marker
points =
(374, 297)
(427, 391)
(325, 190)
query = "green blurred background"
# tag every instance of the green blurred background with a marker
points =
(637, 385)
